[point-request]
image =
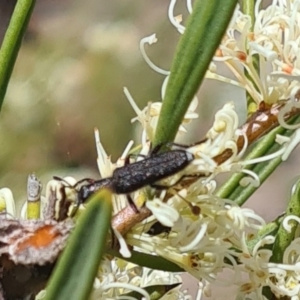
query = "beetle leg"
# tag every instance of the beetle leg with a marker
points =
(88, 180)
(185, 146)
(165, 186)
(156, 149)
(127, 159)
(132, 204)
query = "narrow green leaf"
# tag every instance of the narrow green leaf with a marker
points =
(247, 7)
(284, 238)
(12, 42)
(149, 261)
(204, 31)
(231, 189)
(77, 267)
(269, 229)
(260, 149)
(155, 291)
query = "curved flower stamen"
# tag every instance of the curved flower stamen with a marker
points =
(164, 213)
(289, 143)
(151, 40)
(173, 19)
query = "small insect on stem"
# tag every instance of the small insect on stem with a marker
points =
(132, 177)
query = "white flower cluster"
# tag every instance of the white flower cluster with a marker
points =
(275, 39)
(116, 278)
(212, 240)
(216, 238)
(148, 117)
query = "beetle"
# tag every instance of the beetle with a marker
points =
(134, 176)
(158, 228)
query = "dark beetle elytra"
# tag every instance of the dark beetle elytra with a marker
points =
(131, 177)
(158, 166)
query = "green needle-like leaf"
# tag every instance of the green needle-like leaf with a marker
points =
(149, 261)
(247, 7)
(260, 149)
(77, 267)
(12, 42)
(269, 229)
(284, 237)
(232, 189)
(204, 31)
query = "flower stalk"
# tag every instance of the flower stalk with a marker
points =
(205, 27)
(286, 232)
(12, 42)
(232, 189)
